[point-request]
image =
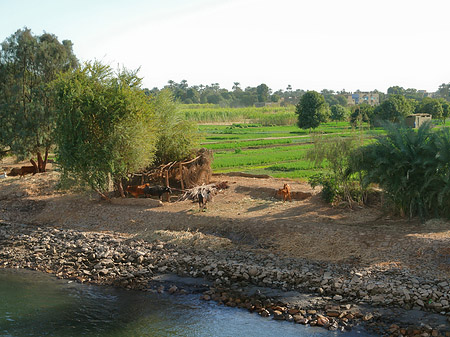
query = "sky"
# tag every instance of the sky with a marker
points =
(310, 45)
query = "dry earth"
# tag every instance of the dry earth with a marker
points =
(245, 216)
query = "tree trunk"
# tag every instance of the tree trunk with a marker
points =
(45, 160)
(120, 188)
(40, 163)
(102, 195)
(36, 169)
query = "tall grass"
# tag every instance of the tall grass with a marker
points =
(264, 115)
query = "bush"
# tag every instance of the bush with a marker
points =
(330, 188)
(412, 167)
(105, 127)
(176, 136)
(338, 184)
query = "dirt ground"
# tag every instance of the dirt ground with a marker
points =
(247, 216)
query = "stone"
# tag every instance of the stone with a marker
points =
(298, 318)
(333, 313)
(173, 289)
(278, 315)
(323, 321)
(337, 297)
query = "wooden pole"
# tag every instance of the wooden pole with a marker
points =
(167, 178)
(180, 165)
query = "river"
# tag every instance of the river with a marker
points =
(37, 304)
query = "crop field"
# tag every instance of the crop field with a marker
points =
(278, 151)
(263, 116)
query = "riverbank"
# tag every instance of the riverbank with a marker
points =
(338, 297)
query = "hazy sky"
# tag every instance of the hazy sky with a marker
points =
(313, 44)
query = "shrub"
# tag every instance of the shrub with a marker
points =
(338, 184)
(176, 136)
(412, 167)
(105, 127)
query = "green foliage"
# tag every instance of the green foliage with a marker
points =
(176, 137)
(217, 114)
(330, 188)
(411, 166)
(431, 106)
(262, 91)
(105, 127)
(337, 153)
(339, 113)
(311, 110)
(362, 113)
(394, 109)
(28, 64)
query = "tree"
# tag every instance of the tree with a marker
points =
(445, 109)
(411, 166)
(312, 110)
(105, 126)
(28, 64)
(396, 90)
(262, 91)
(394, 109)
(338, 113)
(431, 106)
(176, 137)
(444, 91)
(362, 113)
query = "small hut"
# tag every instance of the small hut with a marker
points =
(416, 120)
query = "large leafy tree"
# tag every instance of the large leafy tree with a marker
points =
(361, 113)
(28, 64)
(339, 113)
(311, 110)
(394, 109)
(431, 106)
(262, 91)
(105, 127)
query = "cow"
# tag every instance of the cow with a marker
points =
(26, 170)
(137, 190)
(203, 197)
(156, 191)
(285, 192)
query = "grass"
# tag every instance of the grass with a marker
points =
(279, 151)
(264, 115)
(261, 140)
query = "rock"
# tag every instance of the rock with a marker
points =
(337, 297)
(298, 317)
(367, 317)
(264, 313)
(253, 271)
(173, 289)
(333, 313)
(278, 315)
(323, 321)
(420, 302)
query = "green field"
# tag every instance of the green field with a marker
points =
(264, 116)
(278, 151)
(264, 140)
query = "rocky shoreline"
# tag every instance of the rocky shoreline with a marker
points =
(336, 297)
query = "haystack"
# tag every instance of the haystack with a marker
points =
(179, 174)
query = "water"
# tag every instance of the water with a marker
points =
(36, 304)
